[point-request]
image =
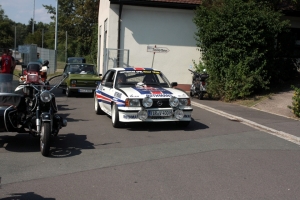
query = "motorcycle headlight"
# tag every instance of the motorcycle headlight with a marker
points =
(184, 102)
(46, 96)
(147, 102)
(173, 101)
(132, 103)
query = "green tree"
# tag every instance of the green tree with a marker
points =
(6, 31)
(237, 39)
(78, 18)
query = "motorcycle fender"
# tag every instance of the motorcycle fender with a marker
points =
(46, 117)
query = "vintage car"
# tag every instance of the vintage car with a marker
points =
(141, 95)
(82, 78)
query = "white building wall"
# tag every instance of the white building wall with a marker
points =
(147, 26)
(170, 28)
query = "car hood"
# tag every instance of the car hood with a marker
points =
(154, 92)
(84, 76)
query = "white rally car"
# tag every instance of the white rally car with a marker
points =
(141, 95)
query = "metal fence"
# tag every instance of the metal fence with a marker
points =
(115, 58)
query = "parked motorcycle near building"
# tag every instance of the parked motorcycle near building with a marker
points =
(198, 87)
(32, 112)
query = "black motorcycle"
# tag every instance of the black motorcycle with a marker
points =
(199, 83)
(34, 114)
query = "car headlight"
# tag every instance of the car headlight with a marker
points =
(132, 103)
(185, 102)
(142, 115)
(46, 96)
(147, 102)
(178, 114)
(173, 101)
(73, 81)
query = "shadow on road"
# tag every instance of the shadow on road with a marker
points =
(164, 126)
(64, 145)
(26, 196)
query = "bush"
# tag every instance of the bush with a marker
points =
(296, 102)
(238, 43)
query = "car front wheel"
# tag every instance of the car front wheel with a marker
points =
(98, 109)
(115, 117)
(68, 92)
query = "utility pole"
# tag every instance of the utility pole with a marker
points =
(33, 16)
(55, 46)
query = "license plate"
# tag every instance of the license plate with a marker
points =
(160, 112)
(85, 91)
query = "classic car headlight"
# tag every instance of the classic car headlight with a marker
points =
(142, 115)
(147, 102)
(185, 102)
(132, 103)
(178, 114)
(46, 96)
(173, 101)
(97, 82)
(73, 81)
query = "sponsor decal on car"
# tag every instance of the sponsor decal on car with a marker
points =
(152, 90)
(118, 95)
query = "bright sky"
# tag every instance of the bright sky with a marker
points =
(22, 10)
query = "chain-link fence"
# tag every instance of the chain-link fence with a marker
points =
(115, 58)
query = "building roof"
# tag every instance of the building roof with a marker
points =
(180, 4)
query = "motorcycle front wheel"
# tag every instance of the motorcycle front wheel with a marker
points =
(45, 138)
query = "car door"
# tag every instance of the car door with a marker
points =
(107, 91)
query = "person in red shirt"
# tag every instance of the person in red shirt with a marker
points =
(6, 72)
(6, 62)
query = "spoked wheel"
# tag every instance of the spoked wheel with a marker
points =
(45, 138)
(98, 109)
(115, 117)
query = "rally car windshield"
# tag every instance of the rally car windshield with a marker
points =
(151, 78)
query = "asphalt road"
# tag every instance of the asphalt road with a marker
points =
(215, 157)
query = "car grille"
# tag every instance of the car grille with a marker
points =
(160, 103)
(85, 83)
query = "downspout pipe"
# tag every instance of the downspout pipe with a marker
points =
(119, 33)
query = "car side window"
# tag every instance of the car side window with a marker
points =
(108, 77)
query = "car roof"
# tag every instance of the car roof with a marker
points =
(134, 69)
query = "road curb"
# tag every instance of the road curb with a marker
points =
(280, 134)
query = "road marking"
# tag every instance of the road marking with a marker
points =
(280, 134)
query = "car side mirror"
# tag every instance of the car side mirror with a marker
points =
(65, 75)
(24, 66)
(173, 84)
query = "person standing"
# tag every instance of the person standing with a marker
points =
(39, 59)
(6, 71)
(13, 62)
(6, 62)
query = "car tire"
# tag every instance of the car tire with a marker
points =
(201, 95)
(68, 92)
(98, 109)
(191, 94)
(115, 116)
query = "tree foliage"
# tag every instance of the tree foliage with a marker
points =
(6, 31)
(79, 18)
(237, 39)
